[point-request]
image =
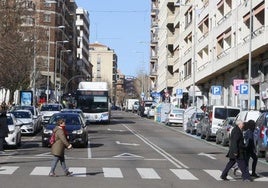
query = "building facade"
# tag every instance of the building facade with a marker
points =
(83, 25)
(104, 61)
(198, 45)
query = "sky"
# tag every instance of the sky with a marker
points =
(124, 26)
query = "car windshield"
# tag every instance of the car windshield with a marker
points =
(223, 113)
(69, 119)
(21, 114)
(50, 108)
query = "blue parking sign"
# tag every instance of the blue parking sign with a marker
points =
(216, 90)
(243, 89)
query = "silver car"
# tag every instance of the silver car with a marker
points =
(223, 133)
(175, 116)
(193, 121)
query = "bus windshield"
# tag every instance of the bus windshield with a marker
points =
(92, 103)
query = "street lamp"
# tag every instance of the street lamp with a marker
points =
(194, 5)
(61, 52)
(56, 63)
(48, 58)
(249, 55)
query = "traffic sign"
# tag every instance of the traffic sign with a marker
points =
(179, 93)
(216, 90)
(243, 89)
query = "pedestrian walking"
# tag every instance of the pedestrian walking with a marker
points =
(250, 141)
(58, 148)
(236, 153)
(3, 128)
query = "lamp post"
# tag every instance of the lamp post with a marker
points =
(194, 5)
(48, 66)
(61, 52)
(249, 54)
(56, 62)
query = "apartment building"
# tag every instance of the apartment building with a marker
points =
(197, 45)
(84, 67)
(104, 61)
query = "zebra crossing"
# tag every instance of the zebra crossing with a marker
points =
(144, 173)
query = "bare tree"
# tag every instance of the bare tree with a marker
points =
(16, 44)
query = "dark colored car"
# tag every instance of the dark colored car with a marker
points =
(76, 128)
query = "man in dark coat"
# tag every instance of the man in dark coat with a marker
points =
(3, 129)
(237, 153)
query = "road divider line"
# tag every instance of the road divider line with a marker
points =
(89, 153)
(162, 152)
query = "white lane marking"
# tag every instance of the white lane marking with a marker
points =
(261, 179)
(148, 173)
(162, 152)
(112, 173)
(89, 153)
(128, 155)
(8, 169)
(216, 174)
(184, 174)
(40, 171)
(211, 156)
(78, 171)
(127, 144)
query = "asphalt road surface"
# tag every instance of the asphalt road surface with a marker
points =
(131, 152)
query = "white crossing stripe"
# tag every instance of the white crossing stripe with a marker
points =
(8, 169)
(148, 173)
(261, 179)
(112, 173)
(184, 174)
(78, 172)
(216, 174)
(40, 171)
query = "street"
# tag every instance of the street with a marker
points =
(130, 152)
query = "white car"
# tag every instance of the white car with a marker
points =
(48, 109)
(25, 117)
(151, 112)
(175, 116)
(14, 135)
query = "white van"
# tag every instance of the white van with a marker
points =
(217, 114)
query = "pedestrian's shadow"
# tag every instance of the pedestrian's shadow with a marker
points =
(87, 174)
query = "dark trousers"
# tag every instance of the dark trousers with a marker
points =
(2, 139)
(254, 162)
(241, 165)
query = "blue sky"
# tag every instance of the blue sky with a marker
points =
(122, 25)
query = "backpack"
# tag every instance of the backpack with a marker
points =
(52, 139)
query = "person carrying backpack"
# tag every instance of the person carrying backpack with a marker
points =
(3, 128)
(250, 144)
(58, 148)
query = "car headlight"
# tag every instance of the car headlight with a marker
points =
(80, 131)
(47, 131)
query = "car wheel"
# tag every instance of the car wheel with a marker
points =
(217, 140)
(202, 136)
(207, 137)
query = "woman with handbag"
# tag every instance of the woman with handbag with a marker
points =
(58, 148)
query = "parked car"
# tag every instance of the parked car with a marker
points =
(28, 123)
(223, 133)
(14, 135)
(144, 107)
(175, 116)
(48, 109)
(151, 112)
(193, 121)
(188, 113)
(135, 106)
(216, 115)
(37, 116)
(262, 134)
(76, 128)
(247, 115)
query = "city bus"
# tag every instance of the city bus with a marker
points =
(93, 99)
